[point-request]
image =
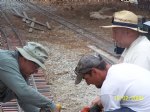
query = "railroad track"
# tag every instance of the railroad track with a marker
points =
(11, 34)
(99, 42)
(10, 39)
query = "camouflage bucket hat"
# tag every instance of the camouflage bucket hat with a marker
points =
(34, 52)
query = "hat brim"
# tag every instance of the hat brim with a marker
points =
(115, 26)
(29, 57)
(79, 78)
(147, 23)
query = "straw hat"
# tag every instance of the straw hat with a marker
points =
(125, 19)
(34, 52)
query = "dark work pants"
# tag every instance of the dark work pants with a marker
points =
(123, 109)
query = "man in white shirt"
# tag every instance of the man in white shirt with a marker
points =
(124, 87)
(127, 34)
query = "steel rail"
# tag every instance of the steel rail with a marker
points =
(5, 37)
(97, 40)
(12, 105)
(101, 43)
(7, 19)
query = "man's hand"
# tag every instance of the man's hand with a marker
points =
(57, 109)
(96, 101)
(96, 104)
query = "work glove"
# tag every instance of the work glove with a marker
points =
(58, 109)
(85, 109)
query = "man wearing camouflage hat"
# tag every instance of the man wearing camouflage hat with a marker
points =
(119, 84)
(15, 69)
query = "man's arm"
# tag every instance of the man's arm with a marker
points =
(96, 101)
(110, 102)
(28, 107)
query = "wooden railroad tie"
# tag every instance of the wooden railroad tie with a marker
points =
(33, 21)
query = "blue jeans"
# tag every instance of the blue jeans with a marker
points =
(123, 109)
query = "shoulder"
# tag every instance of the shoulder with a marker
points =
(122, 71)
(143, 42)
(113, 78)
(7, 55)
(141, 46)
(118, 77)
(8, 59)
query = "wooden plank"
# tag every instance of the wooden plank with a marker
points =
(37, 22)
(36, 28)
(111, 58)
(48, 26)
(32, 25)
(16, 12)
(26, 16)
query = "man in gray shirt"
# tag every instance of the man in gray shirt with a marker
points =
(15, 69)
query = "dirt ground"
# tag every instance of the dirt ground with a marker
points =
(65, 49)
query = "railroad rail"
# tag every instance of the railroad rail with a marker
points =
(11, 34)
(10, 39)
(97, 40)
